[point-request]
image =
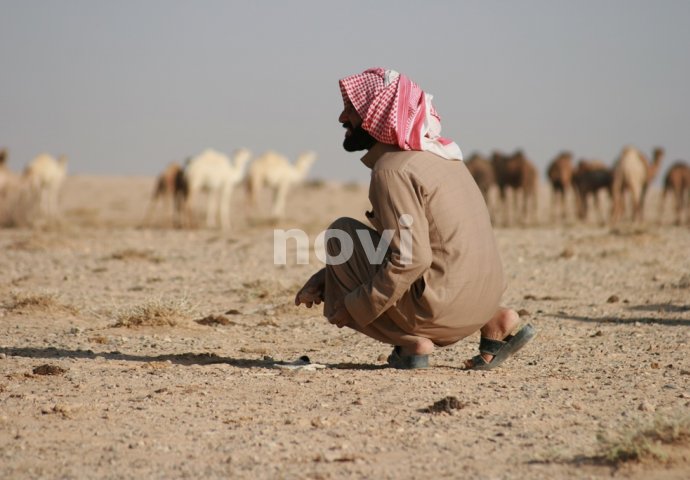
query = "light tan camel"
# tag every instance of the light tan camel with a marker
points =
(677, 181)
(633, 172)
(212, 172)
(170, 192)
(517, 173)
(274, 171)
(45, 176)
(560, 175)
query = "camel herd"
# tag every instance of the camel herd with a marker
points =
(575, 187)
(216, 175)
(210, 173)
(625, 182)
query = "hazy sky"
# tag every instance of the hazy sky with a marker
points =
(124, 87)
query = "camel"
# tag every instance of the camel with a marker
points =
(482, 172)
(632, 172)
(45, 176)
(8, 180)
(212, 172)
(170, 191)
(5, 174)
(677, 180)
(560, 174)
(515, 171)
(589, 179)
(274, 171)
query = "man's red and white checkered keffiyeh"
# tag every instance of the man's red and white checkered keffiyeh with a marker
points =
(396, 111)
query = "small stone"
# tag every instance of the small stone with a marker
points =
(655, 365)
(567, 253)
(613, 299)
(3, 356)
(48, 370)
(645, 406)
(523, 313)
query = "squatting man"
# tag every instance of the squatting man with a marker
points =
(441, 278)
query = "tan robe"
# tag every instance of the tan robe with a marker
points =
(449, 283)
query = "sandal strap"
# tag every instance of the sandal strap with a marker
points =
(489, 346)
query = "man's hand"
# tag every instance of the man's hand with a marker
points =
(341, 317)
(312, 292)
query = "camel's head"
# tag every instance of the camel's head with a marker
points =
(657, 157)
(241, 157)
(305, 160)
(566, 156)
(3, 157)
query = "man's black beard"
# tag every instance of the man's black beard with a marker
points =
(358, 140)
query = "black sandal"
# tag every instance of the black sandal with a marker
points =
(407, 362)
(502, 350)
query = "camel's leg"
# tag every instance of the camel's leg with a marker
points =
(678, 196)
(525, 206)
(280, 201)
(578, 203)
(54, 199)
(150, 210)
(617, 204)
(513, 206)
(212, 208)
(597, 207)
(224, 203)
(662, 201)
(183, 210)
(45, 203)
(637, 202)
(552, 208)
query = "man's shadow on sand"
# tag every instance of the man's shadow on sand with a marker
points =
(175, 358)
(656, 307)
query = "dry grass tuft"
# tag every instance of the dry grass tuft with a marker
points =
(134, 254)
(215, 320)
(22, 302)
(646, 443)
(155, 313)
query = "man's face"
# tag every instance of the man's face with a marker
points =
(356, 138)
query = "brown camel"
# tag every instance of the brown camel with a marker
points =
(633, 172)
(560, 174)
(170, 191)
(516, 172)
(6, 176)
(483, 174)
(677, 181)
(589, 179)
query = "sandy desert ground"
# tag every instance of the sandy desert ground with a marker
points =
(185, 399)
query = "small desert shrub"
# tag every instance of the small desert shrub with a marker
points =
(352, 186)
(134, 254)
(315, 184)
(644, 443)
(155, 313)
(37, 302)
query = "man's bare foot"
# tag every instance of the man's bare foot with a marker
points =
(499, 327)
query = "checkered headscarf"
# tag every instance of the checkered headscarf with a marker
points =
(396, 111)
